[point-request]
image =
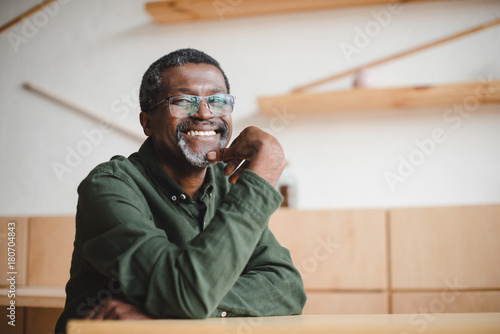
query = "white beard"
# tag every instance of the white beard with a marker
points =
(199, 159)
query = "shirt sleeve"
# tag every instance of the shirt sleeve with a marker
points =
(269, 286)
(118, 235)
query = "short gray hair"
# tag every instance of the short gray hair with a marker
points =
(153, 80)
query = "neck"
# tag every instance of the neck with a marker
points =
(189, 179)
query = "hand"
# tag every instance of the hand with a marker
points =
(116, 309)
(260, 151)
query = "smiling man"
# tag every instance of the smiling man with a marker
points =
(179, 229)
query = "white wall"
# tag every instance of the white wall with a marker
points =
(95, 52)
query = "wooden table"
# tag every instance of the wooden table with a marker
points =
(374, 323)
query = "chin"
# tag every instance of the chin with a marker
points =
(202, 164)
(198, 158)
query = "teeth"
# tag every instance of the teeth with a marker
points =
(201, 133)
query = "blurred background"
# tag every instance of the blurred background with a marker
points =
(93, 53)
(394, 184)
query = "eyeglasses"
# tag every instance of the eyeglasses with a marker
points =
(187, 105)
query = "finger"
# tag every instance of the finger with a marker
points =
(215, 155)
(91, 315)
(226, 154)
(231, 166)
(144, 316)
(97, 315)
(118, 313)
(127, 312)
(223, 154)
(101, 313)
(96, 312)
(135, 314)
(234, 177)
(107, 307)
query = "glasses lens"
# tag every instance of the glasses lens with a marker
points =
(187, 105)
(184, 105)
(221, 104)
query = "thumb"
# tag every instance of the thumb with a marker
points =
(216, 155)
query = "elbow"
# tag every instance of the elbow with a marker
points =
(296, 304)
(184, 308)
(195, 309)
(196, 314)
(299, 298)
(301, 302)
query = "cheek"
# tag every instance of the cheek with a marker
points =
(167, 127)
(229, 125)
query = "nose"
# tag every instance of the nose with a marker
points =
(203, 110)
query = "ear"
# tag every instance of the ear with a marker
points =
(145, 119)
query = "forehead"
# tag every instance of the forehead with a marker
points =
(193, 77)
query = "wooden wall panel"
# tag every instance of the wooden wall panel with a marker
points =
(42, 320)
(446, 301)
(51, 247)
(432, 248)
(342, 249)
(21, 250)
(346, 303)
(19, 323)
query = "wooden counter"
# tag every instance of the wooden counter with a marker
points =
(375, 323)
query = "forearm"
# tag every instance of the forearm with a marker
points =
(261, 295)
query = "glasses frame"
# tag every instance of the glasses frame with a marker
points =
(168, 98)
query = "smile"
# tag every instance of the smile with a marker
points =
(201, 133)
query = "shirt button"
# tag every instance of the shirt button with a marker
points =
(174, 198)
(223, 314)
(183, 196)
(211, 195)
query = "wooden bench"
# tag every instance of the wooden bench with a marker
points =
(407, 260)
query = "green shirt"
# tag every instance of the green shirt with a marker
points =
(139, 236)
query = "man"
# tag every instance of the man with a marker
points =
(171, 232)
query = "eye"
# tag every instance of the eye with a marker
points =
(183, 102)
(218, 100)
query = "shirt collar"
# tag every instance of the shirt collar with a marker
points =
(166, 184)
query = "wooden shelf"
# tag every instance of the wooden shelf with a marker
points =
(467, 94)
(35, 297)
(175, 11)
